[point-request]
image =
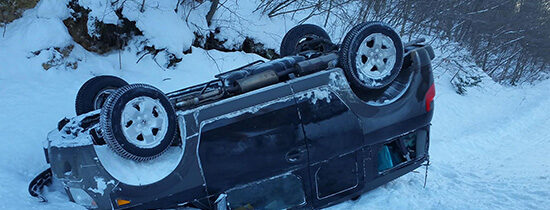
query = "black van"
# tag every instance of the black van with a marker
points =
(319, 126)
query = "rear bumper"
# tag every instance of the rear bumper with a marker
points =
(77, 167)
(75, 164)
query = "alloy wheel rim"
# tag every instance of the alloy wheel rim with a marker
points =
(376, 57)
(144, 122)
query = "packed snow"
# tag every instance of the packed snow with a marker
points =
(71, 135)
(489, 148)
(139, 173)
(101, 185)
(314, 95)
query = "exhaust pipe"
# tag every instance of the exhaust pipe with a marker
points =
(270, 77)
(316, 64)
(258, 80)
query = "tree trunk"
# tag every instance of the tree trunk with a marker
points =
(142, 6)
(405, 15)
(211, 12)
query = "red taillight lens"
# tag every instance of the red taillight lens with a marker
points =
(430, 97)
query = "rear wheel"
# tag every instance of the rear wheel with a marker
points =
(296, 39)
(93, 94)
(371, 56)
(138, 122)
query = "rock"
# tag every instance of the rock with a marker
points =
(13, 9)
(248, 45)
(106, 37)
(46, 66)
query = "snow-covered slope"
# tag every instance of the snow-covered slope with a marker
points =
(489, 148)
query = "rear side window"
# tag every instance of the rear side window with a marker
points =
(402, 150)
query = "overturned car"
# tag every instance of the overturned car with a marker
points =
(319, 126)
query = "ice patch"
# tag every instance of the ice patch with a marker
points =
(101, 185)
(337, 79)
(314, 95)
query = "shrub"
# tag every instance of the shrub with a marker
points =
(13, 9)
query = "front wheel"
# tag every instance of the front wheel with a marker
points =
(138, 122)
(371, 55)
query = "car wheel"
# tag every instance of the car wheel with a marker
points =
(138, 122)
(293, 41)
(371, 55)
(93, 94)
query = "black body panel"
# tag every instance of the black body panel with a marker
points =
(253, 146)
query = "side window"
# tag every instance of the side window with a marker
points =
(402, 150)
(282, 192)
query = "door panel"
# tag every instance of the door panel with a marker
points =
(333, 136)
(252, 145)
(337, 176)
(331, 128)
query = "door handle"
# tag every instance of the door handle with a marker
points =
(295, 155)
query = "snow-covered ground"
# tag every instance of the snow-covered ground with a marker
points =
(489, 148)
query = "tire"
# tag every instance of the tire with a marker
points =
(93, 94)
(300, 33)
(362, 56)
(143, 140)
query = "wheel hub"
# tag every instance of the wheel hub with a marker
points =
(144, 122)
(102, 97)
(376, 57)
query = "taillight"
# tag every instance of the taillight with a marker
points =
(430, 97)
(81, 197)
